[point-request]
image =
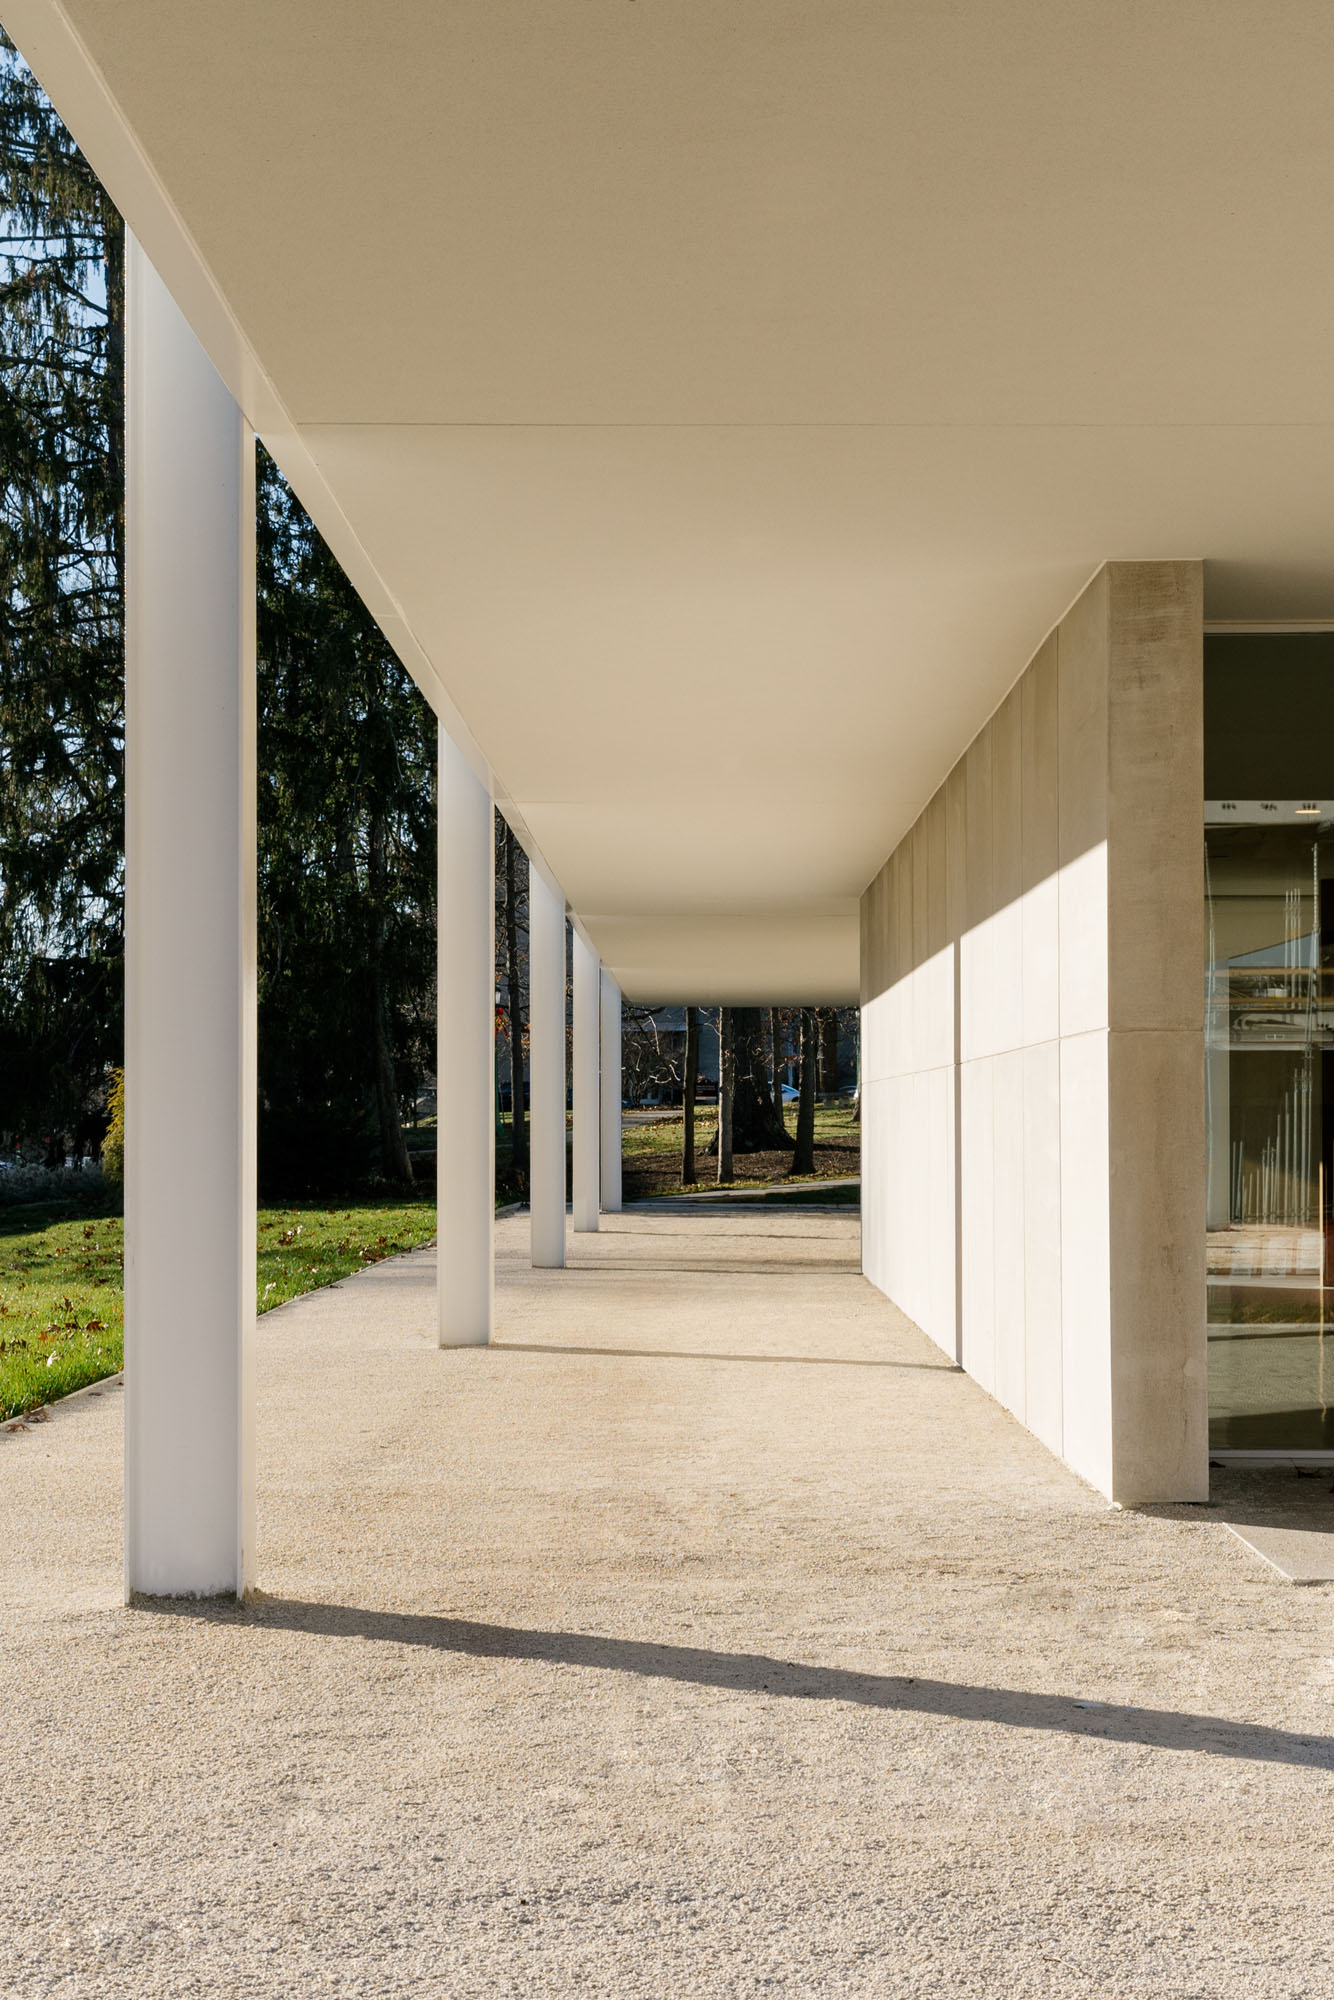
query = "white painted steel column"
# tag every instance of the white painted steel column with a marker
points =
(587, 1112)
(611, 1095)
(465, 1067)
(546, 1068)
(189, 960)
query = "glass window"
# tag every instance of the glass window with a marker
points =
(1269, 1039)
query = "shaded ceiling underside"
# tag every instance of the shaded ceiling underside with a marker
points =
(717, 404)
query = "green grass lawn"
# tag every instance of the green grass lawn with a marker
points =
(658, 1143)
(61, 1318)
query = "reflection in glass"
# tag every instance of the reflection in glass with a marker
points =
(1269, 1038)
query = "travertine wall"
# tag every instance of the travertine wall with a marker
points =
(1032, 1046)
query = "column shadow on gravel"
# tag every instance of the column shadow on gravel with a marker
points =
(754, 1673)
(731, 1267)
(941, 1367)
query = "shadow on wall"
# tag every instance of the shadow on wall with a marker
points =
(754, 1673)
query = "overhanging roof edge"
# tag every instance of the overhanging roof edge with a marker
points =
(58, 58)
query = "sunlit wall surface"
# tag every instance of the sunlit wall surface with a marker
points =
(1032, 1082)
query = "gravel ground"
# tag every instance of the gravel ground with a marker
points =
(711, 1638)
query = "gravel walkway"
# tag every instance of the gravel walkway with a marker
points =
(711, 1637)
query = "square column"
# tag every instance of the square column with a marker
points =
(465, 1091)
(189, 960)
(546, 1065)
(611, 1095)
(587, 1111)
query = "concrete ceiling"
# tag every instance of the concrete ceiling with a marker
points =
(717, 403)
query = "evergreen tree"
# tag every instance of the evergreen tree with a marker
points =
(346, 868)
(347, 746)
(61, 687)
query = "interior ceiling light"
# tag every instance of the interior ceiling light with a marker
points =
(1307, 809)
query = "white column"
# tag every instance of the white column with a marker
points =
(465, 1052)
(189, 960)
(611, 1095)
(587, 1114)
(546, 1066)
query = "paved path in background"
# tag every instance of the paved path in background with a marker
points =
(709, 1637)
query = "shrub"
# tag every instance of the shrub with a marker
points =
(21, 1184)
(113, 1146)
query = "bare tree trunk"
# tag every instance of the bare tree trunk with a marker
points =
(726, 1079)
(688, 1098)
(829, 1049)
(514, 1013)
(803, 1160)
(756, 1125)
(395, 1163)
(776, 1063)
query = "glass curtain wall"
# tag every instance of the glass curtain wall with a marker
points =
(1269, 1041)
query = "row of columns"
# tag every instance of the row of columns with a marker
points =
(190, 1034)
(465, 1065)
